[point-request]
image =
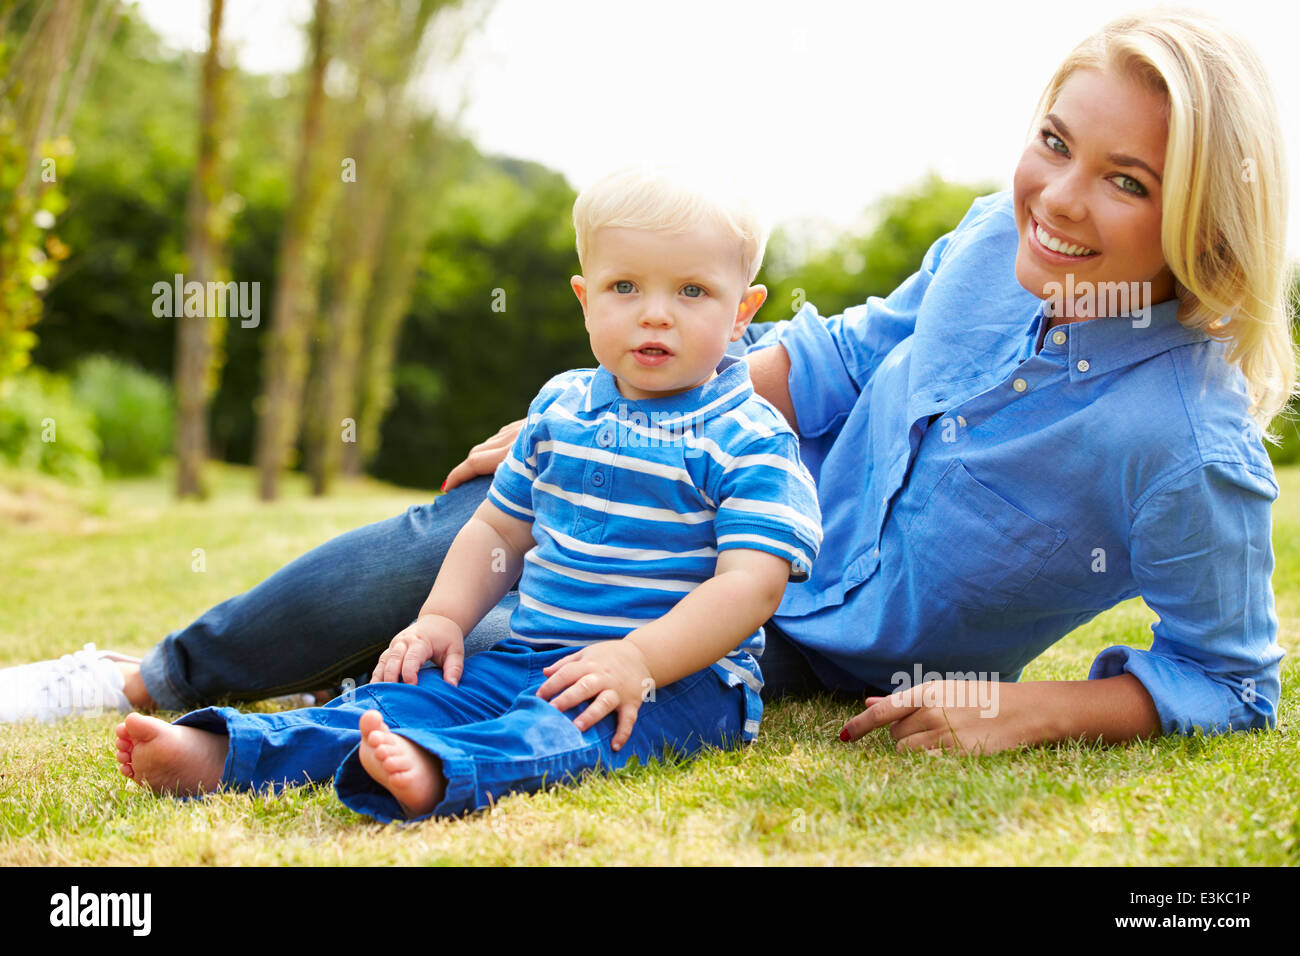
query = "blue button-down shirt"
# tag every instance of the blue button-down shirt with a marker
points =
(982, 496)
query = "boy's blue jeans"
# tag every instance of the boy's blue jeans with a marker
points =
(493, 734)
(329, 614)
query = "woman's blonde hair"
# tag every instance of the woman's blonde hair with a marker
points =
(669, 199)
(1223, 229)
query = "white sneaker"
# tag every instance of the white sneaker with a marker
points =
(87, 683)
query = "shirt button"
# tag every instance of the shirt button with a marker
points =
(605, 436)
(598, 478)
(1020, 385)
(877, 554)
(1058, 337)
(1083, 365)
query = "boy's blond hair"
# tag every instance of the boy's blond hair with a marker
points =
(1223, 230)
(668, 199)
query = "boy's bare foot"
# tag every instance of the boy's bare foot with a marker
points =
(179, 761)
(410, 773)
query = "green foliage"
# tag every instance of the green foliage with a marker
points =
(133, 413)
(28, 256)
(1286, 426)
(861, 264)
(43, 428)
(491, 320)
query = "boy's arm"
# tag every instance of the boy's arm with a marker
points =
(702, 627)
(713, 619)
(485, 558)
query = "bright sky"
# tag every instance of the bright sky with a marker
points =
(795, 97)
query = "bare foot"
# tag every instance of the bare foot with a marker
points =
(410, 773)
(179, 761)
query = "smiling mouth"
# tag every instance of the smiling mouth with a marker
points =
(1048, 241)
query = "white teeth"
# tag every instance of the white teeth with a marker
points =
(1056, 245)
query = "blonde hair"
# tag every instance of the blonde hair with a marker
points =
(670, 200)
(1223, 229)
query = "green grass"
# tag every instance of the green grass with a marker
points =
(115, 567)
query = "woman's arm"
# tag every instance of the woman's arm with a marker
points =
(769, 371)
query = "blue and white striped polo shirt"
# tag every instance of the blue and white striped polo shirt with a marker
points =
(631, 501)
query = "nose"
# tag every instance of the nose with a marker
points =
(1063, 195)
(656, 312)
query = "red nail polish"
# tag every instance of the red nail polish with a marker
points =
(844, 735)
(444, 485)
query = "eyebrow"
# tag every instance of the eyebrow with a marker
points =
(1119, 159)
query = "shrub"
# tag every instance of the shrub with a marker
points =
(43, 428)
(132, 410)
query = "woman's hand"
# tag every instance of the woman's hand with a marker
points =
(969, 716)
(613, 672)
(432, 637)
(988, 716)
(484, 457)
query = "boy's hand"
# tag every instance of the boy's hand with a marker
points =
(613, 672)
(431, 637)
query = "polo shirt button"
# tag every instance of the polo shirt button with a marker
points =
(598, 478)
(1020, 385)
(1083, 365)
(605, 436)
(1058, 337)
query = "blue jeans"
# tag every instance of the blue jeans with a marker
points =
(492, 733)
(327, 615)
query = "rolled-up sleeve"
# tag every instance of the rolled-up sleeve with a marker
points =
(831, 359)
(1202, 558)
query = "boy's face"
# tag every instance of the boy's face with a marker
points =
(661, 307)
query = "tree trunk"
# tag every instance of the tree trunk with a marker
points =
(198, 337)
(298, 273)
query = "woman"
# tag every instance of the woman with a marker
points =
(1061, 410)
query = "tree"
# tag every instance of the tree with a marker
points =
(298, 274)
(375, 162)
(199, 337)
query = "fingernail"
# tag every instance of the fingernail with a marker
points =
(844, 734)
(444, 485)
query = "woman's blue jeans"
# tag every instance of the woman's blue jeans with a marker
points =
(327, 615)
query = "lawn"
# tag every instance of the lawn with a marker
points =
(116, 567)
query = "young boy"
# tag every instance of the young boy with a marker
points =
(655, 507)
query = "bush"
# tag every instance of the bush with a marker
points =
(43, 428)
(132, 411)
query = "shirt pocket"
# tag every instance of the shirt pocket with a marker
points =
(982, 551)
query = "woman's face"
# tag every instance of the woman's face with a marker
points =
(1088, 197)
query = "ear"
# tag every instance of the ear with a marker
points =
(579, 286)
(752, 301)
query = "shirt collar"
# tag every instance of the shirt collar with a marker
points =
(729, 388)
(1097, 346)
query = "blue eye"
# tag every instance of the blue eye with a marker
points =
(1049, 138)
(623, 286)
(692, 291)
(1134, 188)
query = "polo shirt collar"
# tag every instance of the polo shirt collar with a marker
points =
(726, 390)
(1103, 345)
